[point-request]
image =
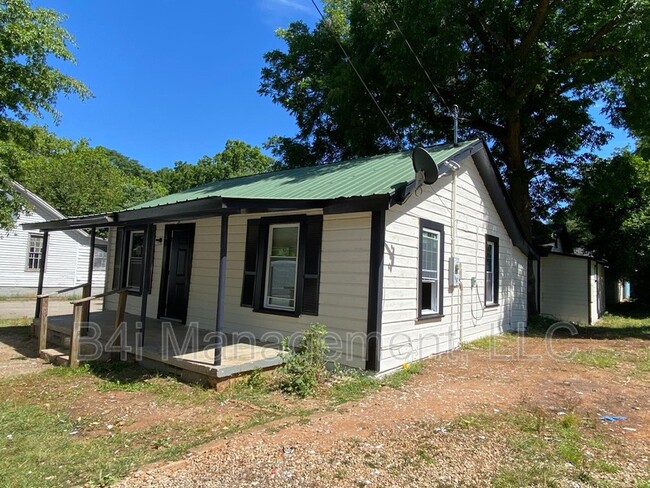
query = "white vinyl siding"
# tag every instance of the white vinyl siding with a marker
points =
(66, 260)
(405, 337)
(343, 295)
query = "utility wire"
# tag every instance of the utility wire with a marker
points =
(417, 58)
(327, 23)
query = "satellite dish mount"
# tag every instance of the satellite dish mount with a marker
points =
(426, 169)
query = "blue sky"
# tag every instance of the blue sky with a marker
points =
(175, 80)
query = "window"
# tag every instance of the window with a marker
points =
(135, 260)
(282, 267)
(491, 270)
(129, 259)
(34, 252)
(282, 264)
(99, 259)
(432, 237)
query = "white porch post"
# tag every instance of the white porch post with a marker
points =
(221, 294)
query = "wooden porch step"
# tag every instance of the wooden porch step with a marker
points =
(55, 356)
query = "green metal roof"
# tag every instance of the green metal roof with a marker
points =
(363, 177)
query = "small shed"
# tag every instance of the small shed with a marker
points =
(571, 283)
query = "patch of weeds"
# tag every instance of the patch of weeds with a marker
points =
(599, 358)
(304, 367)
(526, 475)
(400, 377)
(17, 322)
(352, 385)
(425, 456)
(490, 343)
(605, 467)
(642, 484)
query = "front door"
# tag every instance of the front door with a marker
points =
(177, 267)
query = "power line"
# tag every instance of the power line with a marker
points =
(349, 60)
(417, 58)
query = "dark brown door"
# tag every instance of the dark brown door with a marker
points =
(179, 240)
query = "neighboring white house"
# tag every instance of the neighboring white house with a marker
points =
(397, 269)
(571, 283)
(66, 260)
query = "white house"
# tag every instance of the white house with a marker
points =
(67, 259)
(398, 269)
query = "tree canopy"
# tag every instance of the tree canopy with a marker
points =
(610, 216)
(30, 38)
(237, 159)
(525, 75)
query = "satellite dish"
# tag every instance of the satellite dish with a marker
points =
(424, 165)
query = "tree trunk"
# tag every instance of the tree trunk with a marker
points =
(518, 175)
(519, 180)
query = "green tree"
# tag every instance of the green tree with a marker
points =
(76, 178)
(30, 38)
(610, 216)
(525, 75)
(237, 159)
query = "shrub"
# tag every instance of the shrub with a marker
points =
(304, 367)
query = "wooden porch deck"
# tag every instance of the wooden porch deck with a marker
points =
(186, 351)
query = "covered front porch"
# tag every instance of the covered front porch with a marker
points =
(187, 351)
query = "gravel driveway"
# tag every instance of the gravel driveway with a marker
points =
(397, 438)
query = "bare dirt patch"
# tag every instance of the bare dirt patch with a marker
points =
(18, 351)
(390, 437)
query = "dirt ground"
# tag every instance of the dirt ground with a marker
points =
(18, 351)
(360, 443)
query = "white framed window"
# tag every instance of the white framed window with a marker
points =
(431, 269)
(99, 259)
(282, 267)
(34, 252)
(491, 270)
(135, 259)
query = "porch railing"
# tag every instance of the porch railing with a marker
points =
(78, 318)
(81, 313)
(44, 303)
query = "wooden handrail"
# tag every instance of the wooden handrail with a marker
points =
(78, 318)
(59, 292)
(99, 295)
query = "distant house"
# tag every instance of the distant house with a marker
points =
(67, 260)
(571, 283)
(398, 269)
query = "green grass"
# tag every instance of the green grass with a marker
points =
(52, 434)
(600, 358)
(16, 322)
(354, 385)
(490, 343)
(545, 449)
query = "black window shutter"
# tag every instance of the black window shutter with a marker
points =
(118, 259)
(250, 263)
(311, 278)
(152, 254)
